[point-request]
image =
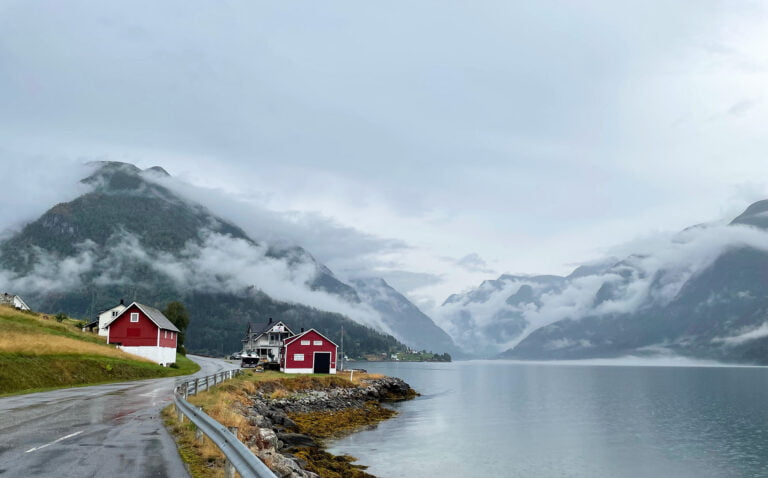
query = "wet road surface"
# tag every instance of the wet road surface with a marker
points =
(110, 430)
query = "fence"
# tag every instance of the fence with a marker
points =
(238, 456)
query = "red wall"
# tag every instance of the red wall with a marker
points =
(134, 334)
(170, 341)
(295, 347)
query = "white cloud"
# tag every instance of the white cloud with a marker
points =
(653, 275)
(745, 335)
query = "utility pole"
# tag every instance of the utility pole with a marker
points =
(342, 347)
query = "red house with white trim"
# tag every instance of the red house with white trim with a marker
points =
(144, 331)
(308, 352)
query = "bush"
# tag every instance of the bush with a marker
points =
(60, 317)
(174, 365)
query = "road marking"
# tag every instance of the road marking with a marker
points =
(55, 441)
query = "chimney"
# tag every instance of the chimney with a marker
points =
(302, 330)
(122, 301)
(270, 320)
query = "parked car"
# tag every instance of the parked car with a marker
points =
(235, 356)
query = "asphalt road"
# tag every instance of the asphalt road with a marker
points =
(106, 430)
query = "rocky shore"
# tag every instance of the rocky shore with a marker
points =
(290, 424)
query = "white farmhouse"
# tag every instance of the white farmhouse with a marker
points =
(14, 301)
(109, 315)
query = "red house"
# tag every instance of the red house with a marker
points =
(144, 331)
(308, 352)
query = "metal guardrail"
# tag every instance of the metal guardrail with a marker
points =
(239, 457)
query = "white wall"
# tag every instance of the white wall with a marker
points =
(162, 355)
(106, 317)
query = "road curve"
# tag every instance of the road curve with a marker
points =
(111, 430)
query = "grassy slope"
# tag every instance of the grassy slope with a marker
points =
(39, 354)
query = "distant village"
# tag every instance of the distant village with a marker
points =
(145, 331)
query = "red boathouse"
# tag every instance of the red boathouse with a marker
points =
(144, 331)
(308, 352)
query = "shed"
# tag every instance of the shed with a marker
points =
(309, 352)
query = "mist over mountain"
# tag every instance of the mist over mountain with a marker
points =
(702, 292)
(131, 237)
(409, 324)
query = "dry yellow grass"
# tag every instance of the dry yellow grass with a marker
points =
(37, 344)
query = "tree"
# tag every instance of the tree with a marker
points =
(177, 314)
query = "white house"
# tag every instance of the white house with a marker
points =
(107, 316)
(266, 340)
(14, 301)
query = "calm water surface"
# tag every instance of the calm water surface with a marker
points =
(511, 419)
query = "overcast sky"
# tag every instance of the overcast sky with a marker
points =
(434, 143)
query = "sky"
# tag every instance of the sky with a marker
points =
(433, 143)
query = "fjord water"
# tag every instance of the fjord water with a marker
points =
(513, 419)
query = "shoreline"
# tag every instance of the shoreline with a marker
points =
(292, 430)
(285, 420)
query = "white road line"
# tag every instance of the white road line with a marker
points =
(55, 441)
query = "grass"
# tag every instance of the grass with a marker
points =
(203, 458)
(38, 354)
(228, 403)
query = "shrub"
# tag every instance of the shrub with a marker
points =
(61, 316)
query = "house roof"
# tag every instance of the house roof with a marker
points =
(260, 329)
(291, 340)
(154, 315)
(113, 307)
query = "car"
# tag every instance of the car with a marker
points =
(235, 356)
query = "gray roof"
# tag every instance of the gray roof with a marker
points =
(157, 317)
(260, 329)
(154, 315)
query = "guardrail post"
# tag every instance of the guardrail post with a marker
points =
(179, 415)
(229, 468)
(199, 435)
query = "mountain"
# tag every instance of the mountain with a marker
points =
(409, 324)
(486, 320)
(702, 293)
(131, 237)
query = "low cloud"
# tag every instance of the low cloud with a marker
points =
(34, 183)
(219, 263)
(653, 275)
(474, 263)
(744, 335)
(345, 250)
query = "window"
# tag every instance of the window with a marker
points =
(134, 316)
(317, 342)
(165, 334)
(114, 313)
(298, 357)
(305, 342)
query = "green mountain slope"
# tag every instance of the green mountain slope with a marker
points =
(132, 238)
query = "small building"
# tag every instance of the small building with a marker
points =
(144, 331)
(309, 352)
(105, 317)
(14, 301)
(266, 340)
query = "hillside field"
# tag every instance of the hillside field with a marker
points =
(39, 353)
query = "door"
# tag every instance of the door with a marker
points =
(322, 362)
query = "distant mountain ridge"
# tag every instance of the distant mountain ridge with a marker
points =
(131, 237)
(702, 293)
